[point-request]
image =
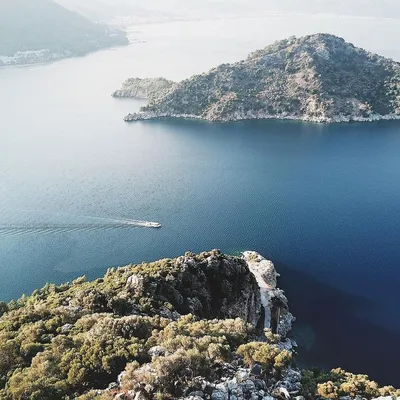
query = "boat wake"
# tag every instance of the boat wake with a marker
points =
(105, 224)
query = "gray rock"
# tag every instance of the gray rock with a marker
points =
(66, 328)
(282, 393)
(222, 386)
(381, 398)
(291, 375)
(242, 375)
(113, 386)
(239, 392)
(140, 396)
(285, 324)
(256, 370)
(157, 351)
(232, 384)
(196, 394)
(291, 381)
(135, 282)
(219, 395)
(260, 384)
(120, 377)
(248, 386)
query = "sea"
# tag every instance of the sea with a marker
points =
(321, 201)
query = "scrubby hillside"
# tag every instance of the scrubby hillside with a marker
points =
(189, 327)
(316, 78)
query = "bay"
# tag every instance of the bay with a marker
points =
(319, 200)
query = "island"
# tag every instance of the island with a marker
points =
(205, 326)
(35, 31)
(317, 78)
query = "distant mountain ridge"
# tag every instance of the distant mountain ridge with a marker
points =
(42, 30)
(158, 9)
(127, 11)
(319, 78)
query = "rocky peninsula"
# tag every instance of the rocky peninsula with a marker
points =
(201, 326)
(317, 78)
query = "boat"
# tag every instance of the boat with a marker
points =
(149, 224)
(145, 224)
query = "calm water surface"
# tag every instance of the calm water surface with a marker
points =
(321, 201)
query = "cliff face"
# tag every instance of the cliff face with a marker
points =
(277, 317)
(318, 78)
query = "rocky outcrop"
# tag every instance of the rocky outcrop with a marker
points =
(192, 327)
(148, 88)
(214, 286)
(318, 78)
(220, 286)
(237, 383)
(276, 312)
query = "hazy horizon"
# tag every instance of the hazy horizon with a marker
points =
(218, 8)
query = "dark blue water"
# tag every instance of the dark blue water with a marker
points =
(322, 201)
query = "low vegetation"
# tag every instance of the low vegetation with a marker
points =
(339, 383)
(73, 340)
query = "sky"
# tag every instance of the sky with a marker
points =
(107, 9)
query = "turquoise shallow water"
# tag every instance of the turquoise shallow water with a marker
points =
(322, 201)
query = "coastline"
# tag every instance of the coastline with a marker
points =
(45, 56)
(145, 116)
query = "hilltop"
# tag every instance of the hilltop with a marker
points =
(207, 326)
(319, 78)
(42, 30)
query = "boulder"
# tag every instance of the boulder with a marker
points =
(219, 395)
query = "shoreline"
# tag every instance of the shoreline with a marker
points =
(54, 57)
(142, 116)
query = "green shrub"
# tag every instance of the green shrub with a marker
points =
(271, 357)
(338, 383)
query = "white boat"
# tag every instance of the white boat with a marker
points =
(145, 224)
(149, 224)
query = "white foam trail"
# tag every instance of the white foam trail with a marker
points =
(20, 229)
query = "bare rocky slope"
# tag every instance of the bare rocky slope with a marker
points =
(319, 78)
(197, 327)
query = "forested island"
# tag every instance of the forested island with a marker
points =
(33, 31)
(318, 78)
(200, 326)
